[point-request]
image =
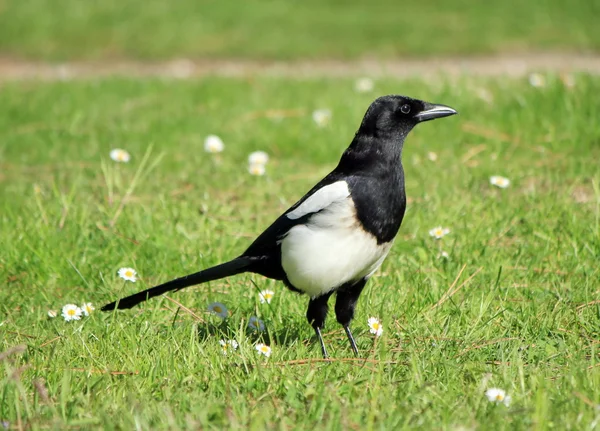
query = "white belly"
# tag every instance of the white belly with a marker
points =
(330, 250)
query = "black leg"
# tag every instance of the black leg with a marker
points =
(316, 314)
(347, 296)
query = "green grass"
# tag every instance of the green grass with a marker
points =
(284, 29)
(532, 251)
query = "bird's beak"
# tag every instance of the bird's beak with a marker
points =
(431, 112)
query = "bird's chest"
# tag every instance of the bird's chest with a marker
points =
(380, 205)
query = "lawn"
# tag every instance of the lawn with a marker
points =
(62, 30)
(513, 306)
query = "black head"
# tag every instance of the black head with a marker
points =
(397, 115)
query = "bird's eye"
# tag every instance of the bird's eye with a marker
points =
(405, 109)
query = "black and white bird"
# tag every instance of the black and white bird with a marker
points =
(335, 237)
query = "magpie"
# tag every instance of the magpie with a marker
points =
(335, 237)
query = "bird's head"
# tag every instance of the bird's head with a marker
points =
(393, 115)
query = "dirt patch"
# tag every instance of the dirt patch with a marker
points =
(505, 65)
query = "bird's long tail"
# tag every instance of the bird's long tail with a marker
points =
(235, 266)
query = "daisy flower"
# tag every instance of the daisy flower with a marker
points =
(499, 181)
(52, 314)
(266, 296)
(71, 312)
(321, 117)
(128, 274)
(537, 80)
(263, 349)
(439, 232)
(257, 169)
(364, 85)
(87, 308)
(432, 156)
(568, 80)
(375, 326)
(258, 158)
(213, 144)
(256, 324)
(498, 396)
(444, 255)
(219, 309)
(228, 346)
(119, 155)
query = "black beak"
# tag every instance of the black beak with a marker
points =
(431, 112)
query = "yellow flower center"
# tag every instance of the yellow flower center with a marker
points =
(264, 349)
(499, 397)
(376, 325)
(128, 274)
(71, 312)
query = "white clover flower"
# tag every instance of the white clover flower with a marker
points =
(375, 326)
(364, 85)
(322, 117)
(255, 324)
(128, 274)
(537, 80)
(213, 144)
(257, 169)
(263, 349)
(432, 156)
(228, 346)
(496, 395)
(258, 158)
(439, 232)
(52, 314)
(266, 296)
(219, 309)
(71, 312)
(87, 308)
(499, 181)
(119, 155)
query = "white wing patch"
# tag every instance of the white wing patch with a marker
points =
(321, 199)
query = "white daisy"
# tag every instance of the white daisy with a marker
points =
(257, 169)
(444, 255)
(71, 312)
(219, 309)
(321, 117)
(263, 349)
(52, 314)
(568, 80)
(266, 296)
(256, 324)
(432, 156)
(375, 326)
(496, 395)
(128, 274)
(87, 308)
(537, 80)
(213, 144)
(439, 232)
(364, 85)
(499, 181)
(258, 158)
(119, 155)
(229, 345)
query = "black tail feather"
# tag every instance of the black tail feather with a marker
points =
(235, 266)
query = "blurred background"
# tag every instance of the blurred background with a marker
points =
(267, 30)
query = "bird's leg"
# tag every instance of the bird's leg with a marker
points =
(351, 339)
(316, 314)
(345, 303)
